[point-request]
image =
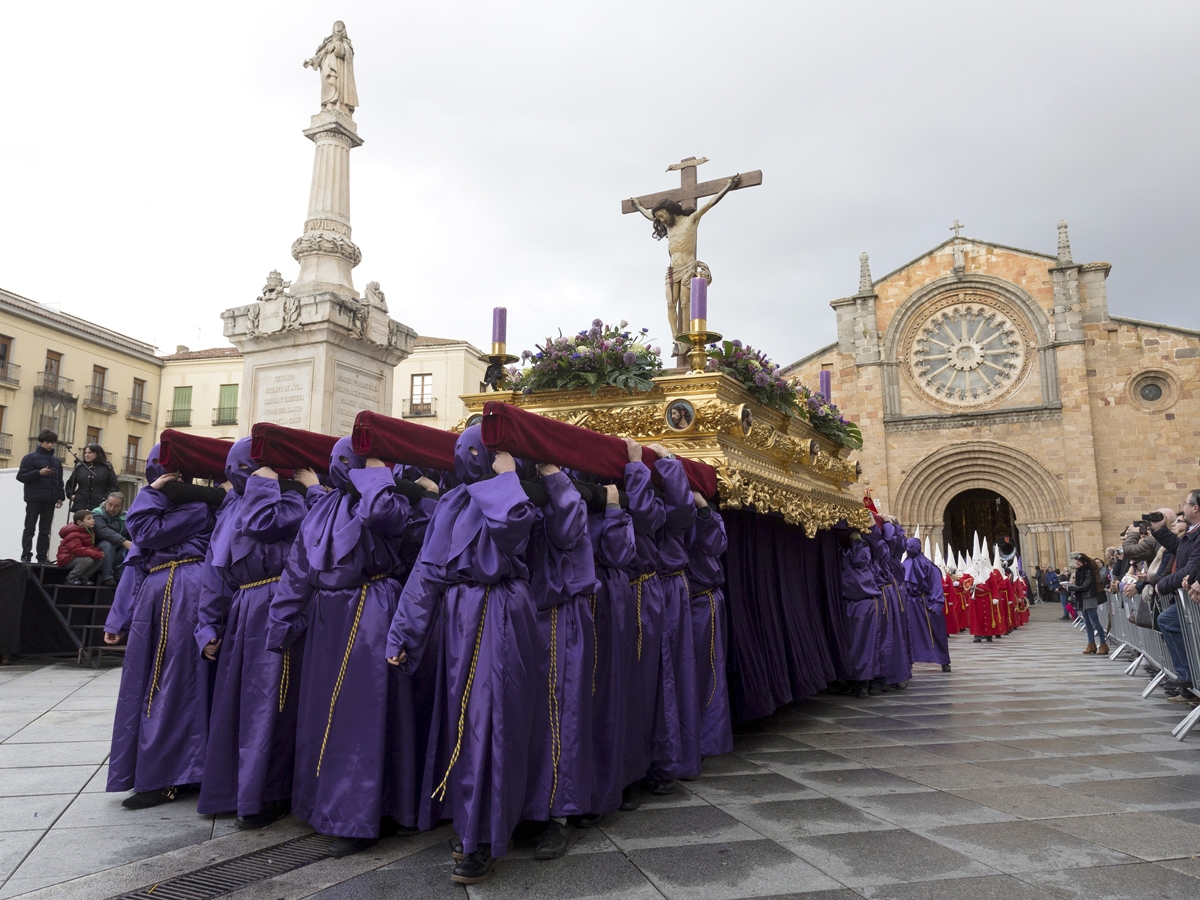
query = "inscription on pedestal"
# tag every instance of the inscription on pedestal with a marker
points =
(353, 391)
(283, 394)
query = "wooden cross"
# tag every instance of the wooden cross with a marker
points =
(689, 191)
(956, 227)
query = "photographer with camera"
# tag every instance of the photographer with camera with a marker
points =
(1184, 571)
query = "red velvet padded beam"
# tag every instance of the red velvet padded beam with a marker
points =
(396, 441)
(290, 448)
(541, 439)
(192, 455)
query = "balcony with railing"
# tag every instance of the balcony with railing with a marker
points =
(225, 415)
(132, 466)
(97, 398)
(51, 383)
(411, 409)
(179, 418)
(5, 445)
(140, 409)
(10, 374)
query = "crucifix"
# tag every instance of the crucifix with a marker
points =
(957, 227)
(676, 218)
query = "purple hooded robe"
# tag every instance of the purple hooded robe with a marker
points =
(926, 607)
(649, 514)
(864, 608)
(706, 575)
(161, 722)
(676, 752)
(471, 576)
(616, 715)
(252, 729)
(894, 662)
(563, 580)
(357, 726)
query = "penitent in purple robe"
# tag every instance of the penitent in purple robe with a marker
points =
(563, 580)
(252, 728)
(471, 576)
(926, 607)
(357, 759)
(894, 663)
(863, 606)
(649, 514)
(677, 737)
(161, 722)
(616, 715)
(705, 545)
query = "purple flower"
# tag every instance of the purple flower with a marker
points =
(761, 379)
(657, 351)
(629, 358)
(737, 343)
(596, 323)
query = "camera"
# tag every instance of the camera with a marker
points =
(1152, 517)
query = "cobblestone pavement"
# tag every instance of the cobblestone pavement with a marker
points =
(1029, 772)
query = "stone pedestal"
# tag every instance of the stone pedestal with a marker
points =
(315, 361)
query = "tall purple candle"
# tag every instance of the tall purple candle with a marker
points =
(499, 325)
(827, 384)
(699, 298)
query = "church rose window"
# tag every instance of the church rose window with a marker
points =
(967, 352)
(1151, 392)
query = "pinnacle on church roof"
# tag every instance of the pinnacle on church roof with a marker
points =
(1064, 244)
(864, 274)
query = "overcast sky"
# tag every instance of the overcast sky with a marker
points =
(154, 170)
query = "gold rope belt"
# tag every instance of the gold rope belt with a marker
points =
(899, 596)
(595, 647)
(337, 688)
(286, 675)
(164, 621)
(555, 713)
(712, 639)
(439, 792)
(254, 584)
(637, 583)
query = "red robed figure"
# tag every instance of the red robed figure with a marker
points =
(541, 439)
(290, 448)
(985, 614)
(951, 604)
(193, 456)
(396, 441)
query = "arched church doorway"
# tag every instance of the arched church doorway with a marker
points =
(983, 511)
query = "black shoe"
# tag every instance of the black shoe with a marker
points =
(475, 867)
(147, 799)
(900, 686)
(269, 813)
(862, 693)
(75, 582)
(44, 561)
(110, 582)
(27, 559)
(587, 820)
(979, 640)
(1065, 619)
(945, 667)
(552, 842)
(989, 638)
(662, 788)
(631, 798)
(345, 846)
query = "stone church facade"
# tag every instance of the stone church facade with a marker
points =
(982, 374)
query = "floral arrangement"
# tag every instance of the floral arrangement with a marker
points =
(756, 373)
(827, 419)
(602, 356)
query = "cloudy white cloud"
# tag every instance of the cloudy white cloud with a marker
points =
(155, 170)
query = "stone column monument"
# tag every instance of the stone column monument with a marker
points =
(315, 352)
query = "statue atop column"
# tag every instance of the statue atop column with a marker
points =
(334, 60)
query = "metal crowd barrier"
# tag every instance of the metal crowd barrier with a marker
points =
(1189, 620)
(1146, 643)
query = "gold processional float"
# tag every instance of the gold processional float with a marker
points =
(765, 460)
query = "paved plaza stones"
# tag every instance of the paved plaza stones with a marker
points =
(1029, 772)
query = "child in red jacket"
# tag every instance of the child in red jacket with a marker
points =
(77, 548)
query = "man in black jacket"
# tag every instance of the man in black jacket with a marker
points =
(1187, 565)
(111, 536)
(41, 473)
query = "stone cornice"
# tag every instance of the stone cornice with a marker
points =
(941, 421)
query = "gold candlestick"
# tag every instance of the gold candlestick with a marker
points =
(496, 374)
(699, 337)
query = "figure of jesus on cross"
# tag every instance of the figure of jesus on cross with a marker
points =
(677, 219)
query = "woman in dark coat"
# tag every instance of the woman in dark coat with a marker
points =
(93, 479)
(1086, 590)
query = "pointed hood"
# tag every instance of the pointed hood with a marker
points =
(239, 464)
